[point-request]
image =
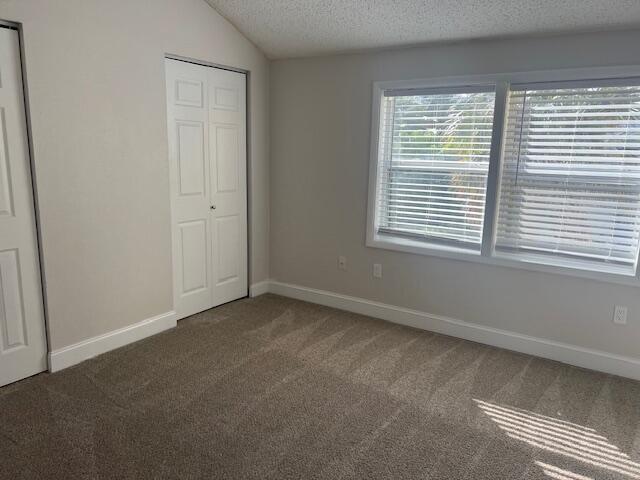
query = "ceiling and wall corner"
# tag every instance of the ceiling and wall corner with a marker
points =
(284, 29)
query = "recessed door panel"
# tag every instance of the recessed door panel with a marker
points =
(11, 310)
(191, 157)
(5, 186)
(227, 101)
(189, 93)
(193, 246)
(228, 244)
(227, 158)
(225, 98)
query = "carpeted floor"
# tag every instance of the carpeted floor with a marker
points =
(273, 388)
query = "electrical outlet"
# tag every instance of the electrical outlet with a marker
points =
(377, 270)
(620, 315)
(342, 262)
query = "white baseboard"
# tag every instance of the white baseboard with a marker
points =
(259, 288)
(76, 353)
(573, 355)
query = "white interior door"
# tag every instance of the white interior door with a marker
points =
(206, 109)
(22, 336)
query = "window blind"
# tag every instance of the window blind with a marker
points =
(433, 163)
(570, 187)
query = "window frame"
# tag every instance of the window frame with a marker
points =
(501, 83)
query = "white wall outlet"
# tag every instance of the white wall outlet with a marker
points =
(342, 262)
(620, 315)
(377, 270)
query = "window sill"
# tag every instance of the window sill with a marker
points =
(533, 263)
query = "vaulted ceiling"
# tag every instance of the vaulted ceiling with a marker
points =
(293, 28)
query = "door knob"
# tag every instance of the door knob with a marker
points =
(213, 207)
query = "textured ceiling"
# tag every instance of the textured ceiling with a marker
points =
(293, 28)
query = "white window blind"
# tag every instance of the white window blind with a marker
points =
(570, 188)
(433, 159)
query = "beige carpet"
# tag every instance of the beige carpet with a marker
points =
(272, 388)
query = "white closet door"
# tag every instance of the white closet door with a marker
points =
(22, 335)
(228, 180)
(206, 110)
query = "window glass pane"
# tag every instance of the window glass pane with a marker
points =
(570, 189)
(433, 164)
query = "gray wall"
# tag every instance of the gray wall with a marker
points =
(95, 71)
(320, 132)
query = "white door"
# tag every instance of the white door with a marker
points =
(206, 110)
(22, 338)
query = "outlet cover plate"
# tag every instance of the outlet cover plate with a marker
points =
(377, 270)
(620, 315)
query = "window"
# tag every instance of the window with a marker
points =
(433, 165)
(508, 172)
(571, 175)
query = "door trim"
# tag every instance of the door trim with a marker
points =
(205, 64)
(247, 74)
